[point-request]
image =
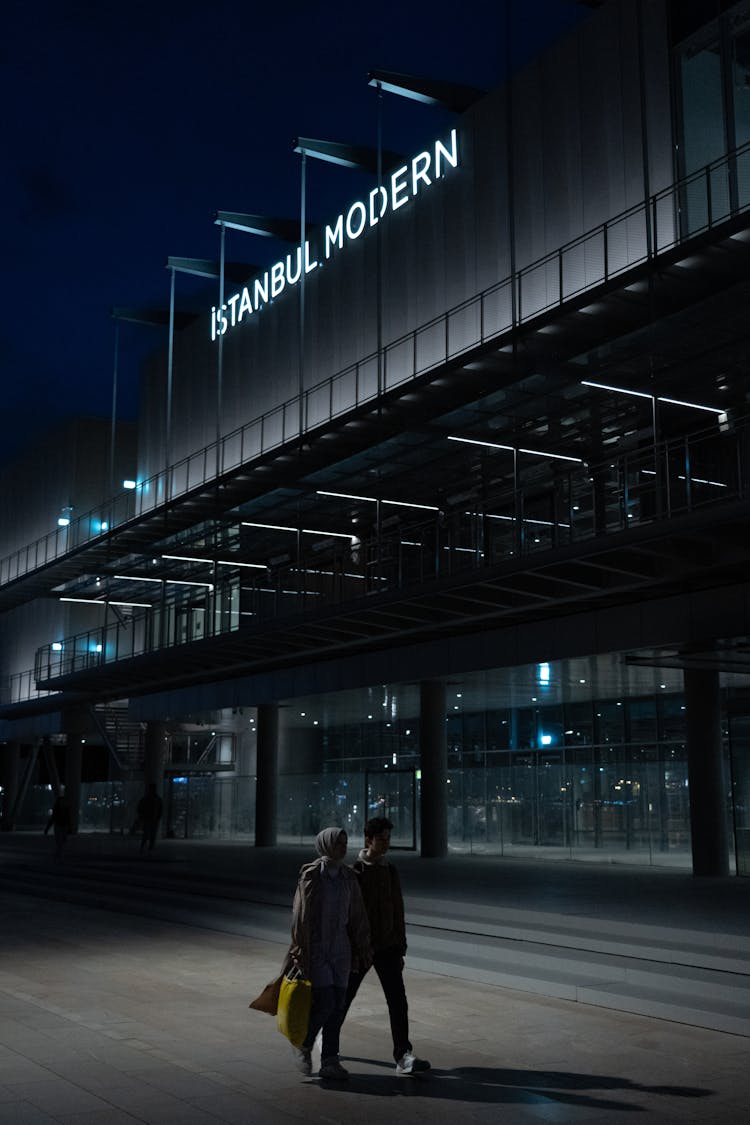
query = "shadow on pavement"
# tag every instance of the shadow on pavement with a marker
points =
(504, 1085)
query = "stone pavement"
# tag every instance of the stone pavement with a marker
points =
(107, 1019)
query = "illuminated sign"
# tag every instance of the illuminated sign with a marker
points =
(402, 185)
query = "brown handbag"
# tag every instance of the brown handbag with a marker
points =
(268, 1001)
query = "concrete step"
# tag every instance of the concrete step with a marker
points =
(549, 955)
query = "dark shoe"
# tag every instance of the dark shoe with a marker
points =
(333, 1070)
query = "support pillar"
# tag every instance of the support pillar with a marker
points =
(154, 755)
(9, 765)
(73, 760)
(709, 828)
(267, 774)
(433, 749)
(76, 727)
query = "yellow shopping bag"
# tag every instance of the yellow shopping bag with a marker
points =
(293, 1015)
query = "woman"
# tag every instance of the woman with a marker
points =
(330, 936)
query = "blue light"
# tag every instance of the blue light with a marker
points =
(545, 739)
(543, 674)
(179, 780)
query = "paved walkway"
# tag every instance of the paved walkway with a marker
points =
(108, 1018)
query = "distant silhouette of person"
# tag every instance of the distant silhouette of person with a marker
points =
(61, 821)
(150, 809)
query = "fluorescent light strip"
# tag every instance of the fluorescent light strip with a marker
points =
(136, 578)
(304, 530)
(219, 562)
(374, 500)
(659, 398)
(618, 390)
(699, 480)
(526, 519)
(104, 604)
(519, 449)
(170, 581)
(692, 405)
(409, 543)
(187, 558)
(253, 566)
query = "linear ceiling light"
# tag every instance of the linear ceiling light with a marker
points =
(374, 500)
(659, 398)
(102, 602)
(136, 578)
(304, 530)
(518, 449)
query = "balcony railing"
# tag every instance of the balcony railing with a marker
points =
(688, 207)
(659, 483)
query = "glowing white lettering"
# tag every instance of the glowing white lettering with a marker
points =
(334, 236)
(355, 227)
(419, 166)
(232, 302)
(383, 204)
(277, 279)
(399, 189)
(309, 266)
(292, 279)
(451, 157)
(424, 170)
(260, 290)
(246, 305)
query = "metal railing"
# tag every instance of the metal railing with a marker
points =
(686, 208)
(658, 483)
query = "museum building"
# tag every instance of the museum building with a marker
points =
(443, 511)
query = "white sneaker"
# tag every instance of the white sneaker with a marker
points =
(302, 1060)
(332, 1069)
(410, 1064)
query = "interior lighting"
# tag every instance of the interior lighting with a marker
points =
(659, 398)
(546, 739)
(63, 521)
(137, 578)
(129, 484)
(543, 674)
(693, 405)
(56, 646)
(512, 449)
(700, 480)
(304, 530)
(105, 603)
(374, 500)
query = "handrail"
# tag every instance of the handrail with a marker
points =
(644, 230)
(654, 484)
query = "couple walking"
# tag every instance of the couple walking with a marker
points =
(345, 921)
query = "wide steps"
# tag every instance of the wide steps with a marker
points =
(689, 976)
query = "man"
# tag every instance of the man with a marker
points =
(149, 814)
(384, 903)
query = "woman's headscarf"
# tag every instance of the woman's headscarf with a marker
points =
(326, 841)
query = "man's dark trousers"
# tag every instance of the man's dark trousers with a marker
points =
(388, 965)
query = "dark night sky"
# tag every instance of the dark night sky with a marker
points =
(126, 126)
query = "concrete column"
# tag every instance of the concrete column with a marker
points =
(73, 758)
(154, 755)
(9, 765)
(708, 804)
(267, 773)
(76, 725)
(433, 749)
